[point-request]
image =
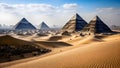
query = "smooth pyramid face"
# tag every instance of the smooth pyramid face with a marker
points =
(24, 21)
(44, 26)
(24, 24)
(76, 23)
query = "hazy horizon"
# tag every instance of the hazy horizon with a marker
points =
(58, 12)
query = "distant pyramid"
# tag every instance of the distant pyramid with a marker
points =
(76, 23)
(44, 26)
(24, 24)
(96, 25)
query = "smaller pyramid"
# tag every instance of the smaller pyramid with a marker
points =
(96, 25)
(76, 23)
(44, 26)
(24, 24)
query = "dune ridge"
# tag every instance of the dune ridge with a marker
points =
(94, 55)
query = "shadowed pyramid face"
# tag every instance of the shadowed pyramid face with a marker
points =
(44, 26)
(96, 18)
(24, 24)
(96, 25)
(76, 23)
(24, 21)
(76, 17)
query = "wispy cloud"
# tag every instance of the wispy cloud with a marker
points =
(36, 12)
(70, 6)
(26, 8)
(110, 15)
(53, 15)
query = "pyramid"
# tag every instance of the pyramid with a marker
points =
(96, 25)
(24, 24)
(76, 23)
(44, 26)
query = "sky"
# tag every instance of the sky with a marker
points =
(58, 12)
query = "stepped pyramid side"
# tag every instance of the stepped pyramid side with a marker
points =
(43, 26)
(24, 24)
(96, 25)
(76, 23)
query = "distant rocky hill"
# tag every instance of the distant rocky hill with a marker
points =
(114, 27)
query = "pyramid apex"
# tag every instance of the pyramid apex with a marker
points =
(43, 25)
(76, 14)
(96, 18)
(76, 17)
(43, 22)
(23, 18)
(96, 15)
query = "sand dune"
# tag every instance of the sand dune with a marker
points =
(94, 55)
(6, 39)
(55, 38)
(32, 37)
(13, 49)
(53, 44)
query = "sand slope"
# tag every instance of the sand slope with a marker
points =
(53, 44)
(12, 49)
(95, 55)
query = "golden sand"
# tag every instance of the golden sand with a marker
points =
(85, 53)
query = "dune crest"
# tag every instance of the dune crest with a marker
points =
(103, 54)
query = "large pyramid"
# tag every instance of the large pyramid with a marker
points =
(76, 23)
(24, 24)
(44, 26)
(96, 25)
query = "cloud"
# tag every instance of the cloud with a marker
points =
(26, 8)
(5, 6)
(10, 14)
(110, 10)
(35, 13)
(7, 18)
(70, 6)
(110, 15)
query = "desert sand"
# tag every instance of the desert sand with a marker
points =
(87, 52)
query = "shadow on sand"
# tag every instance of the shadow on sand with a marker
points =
(53, 44)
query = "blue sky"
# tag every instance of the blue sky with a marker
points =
(86, 3)
(58, 12)
(115, 3)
